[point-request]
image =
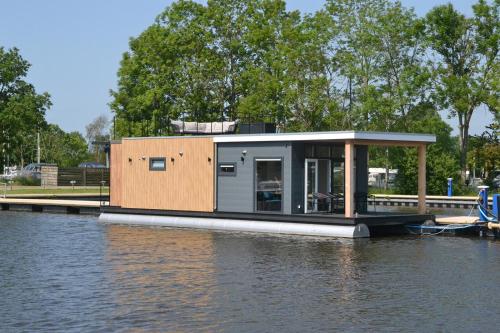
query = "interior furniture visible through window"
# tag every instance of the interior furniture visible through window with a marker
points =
(157, 164)
(269, 184)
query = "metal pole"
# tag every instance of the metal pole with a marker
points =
(38, 147)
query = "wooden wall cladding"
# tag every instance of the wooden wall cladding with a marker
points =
(115, 175)
(187, 184)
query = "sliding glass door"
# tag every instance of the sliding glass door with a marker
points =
(318, 185)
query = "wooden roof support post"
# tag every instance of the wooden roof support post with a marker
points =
(421, 178)
(349, 179)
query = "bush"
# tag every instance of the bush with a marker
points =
(27, 181)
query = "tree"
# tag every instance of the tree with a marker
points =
(97, 131)
(63, 149)
(355, 64)
(441, 156)
(378, 48)
(484, 153)
(466, 54)
(22, 110)
(169, 73)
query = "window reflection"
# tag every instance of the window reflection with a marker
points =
(269, 187)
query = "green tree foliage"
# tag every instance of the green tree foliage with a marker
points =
(442, 162)
(377, 49)
(467, 67)
(22, 110)
(61, 148)
(22, 117)
(250, 60)
(355, 64)
(484, 153)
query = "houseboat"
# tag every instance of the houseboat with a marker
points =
(296, 183)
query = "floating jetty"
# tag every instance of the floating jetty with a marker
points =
(446, 220)
(52, 205)
(486, 223)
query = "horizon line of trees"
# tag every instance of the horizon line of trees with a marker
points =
(355, 64)
(22, 120)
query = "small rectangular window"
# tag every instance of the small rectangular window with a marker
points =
(157, 164)
(227, 169)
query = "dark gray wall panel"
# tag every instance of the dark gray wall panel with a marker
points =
(361, 177)
(237, 194)
(298, 171)
(362, 169)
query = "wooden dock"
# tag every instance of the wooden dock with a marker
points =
(52, 205)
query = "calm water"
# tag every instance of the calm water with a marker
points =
(74, 274)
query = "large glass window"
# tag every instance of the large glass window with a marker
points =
(338, 174)
(269, 185)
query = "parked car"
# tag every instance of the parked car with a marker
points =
(496, 182)
(476, 182)
(91, 165)
(9, 173)
(33, 170)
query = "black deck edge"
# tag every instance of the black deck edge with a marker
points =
(370, 221)
(57, 209)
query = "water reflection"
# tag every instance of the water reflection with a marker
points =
(71, 274)
(161, 271)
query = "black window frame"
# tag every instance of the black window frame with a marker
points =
(224, 173)
(152, 159)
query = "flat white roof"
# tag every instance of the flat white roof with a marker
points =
(327, 136)
(307, 136)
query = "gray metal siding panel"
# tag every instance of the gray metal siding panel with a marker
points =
(236, 194)
(298, 161)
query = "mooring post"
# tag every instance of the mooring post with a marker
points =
(483, 194)
(450, 187)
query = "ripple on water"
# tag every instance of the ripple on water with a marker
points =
(72, 273)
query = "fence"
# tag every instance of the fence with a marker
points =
(82, 176)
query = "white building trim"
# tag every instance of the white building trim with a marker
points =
(327, 136)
